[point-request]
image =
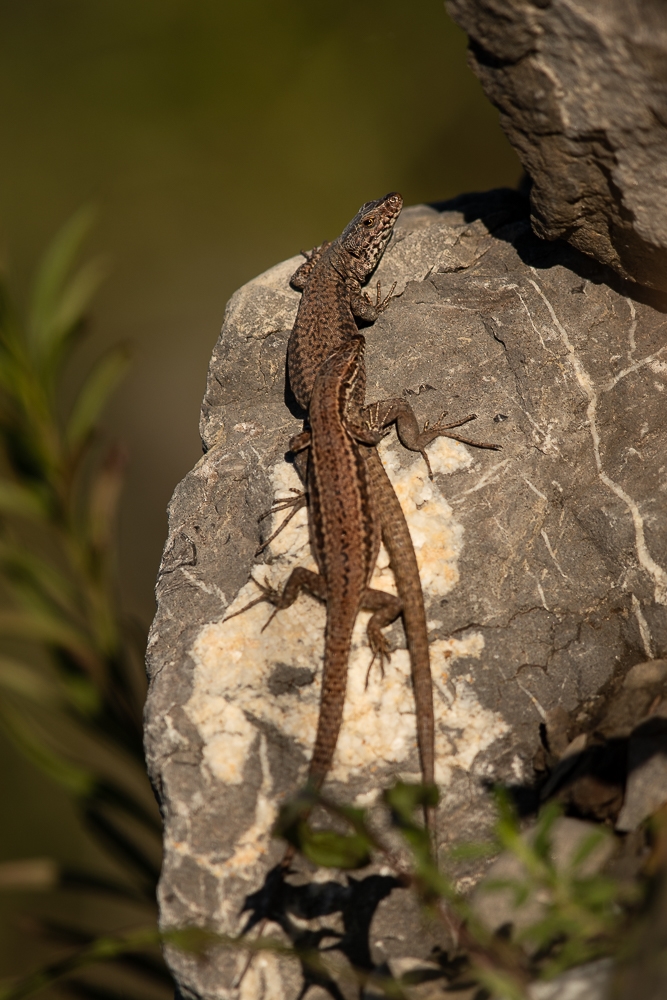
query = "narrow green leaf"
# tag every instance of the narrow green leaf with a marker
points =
(109, 794)
(31, 874)
(39, 628)
(50, 629)
(84, 881)
(75, 779)
(333, 850)
(542, 840)
(82, 695)
(102, 949)
(120, 843)
(51, 277)
(76, 297)
(587, 846)
(21, 500)
(404, 798)
(36, 584)
(24, 680)
(474, 851)
(94, 394)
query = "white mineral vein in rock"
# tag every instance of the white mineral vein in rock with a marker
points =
(235, 659)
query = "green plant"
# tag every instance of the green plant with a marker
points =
(72, 681)
(584, 916)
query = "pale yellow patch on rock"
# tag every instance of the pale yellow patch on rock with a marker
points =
(235, 658)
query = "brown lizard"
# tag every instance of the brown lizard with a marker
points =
(345, 540)
(344, 535)
(351, 499)
(330, 280)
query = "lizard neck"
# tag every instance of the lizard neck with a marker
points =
(346, 265)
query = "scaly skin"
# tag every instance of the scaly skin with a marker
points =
(344, 535)
(330, 280)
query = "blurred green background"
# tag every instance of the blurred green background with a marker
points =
(214, 139)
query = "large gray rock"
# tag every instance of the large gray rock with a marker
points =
(582, 90)
(544, 568)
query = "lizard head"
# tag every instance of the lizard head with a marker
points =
(366, 237)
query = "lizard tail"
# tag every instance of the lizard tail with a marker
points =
(332, 700)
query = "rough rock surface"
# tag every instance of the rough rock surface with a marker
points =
(544, 569)
(582, 90)
(589, 982)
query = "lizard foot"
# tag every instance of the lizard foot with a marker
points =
(268, 595)
(380, 303)
(296, 503)
(439, 429)
(380, 649)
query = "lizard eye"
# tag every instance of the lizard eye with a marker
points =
(370, 221)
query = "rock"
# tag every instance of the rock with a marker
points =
(495, 906)
(643, 675)
(587, 982)
(582, 94)
(542, 567)
(646, 788)
(641, 971)
(621, 756)
(558, 725)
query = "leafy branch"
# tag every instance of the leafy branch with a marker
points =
(72, 681)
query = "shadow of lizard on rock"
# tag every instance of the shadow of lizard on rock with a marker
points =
(356, 901)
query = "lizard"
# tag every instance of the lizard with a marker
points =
(345, 541)
(330, 280)
(344, 535)
(327, 377)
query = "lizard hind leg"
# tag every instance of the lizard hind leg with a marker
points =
(386, 609)
(268, 594)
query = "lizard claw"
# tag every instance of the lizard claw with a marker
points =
(457, 423)
(382, 303)
(282, 503)
(296, 503)
(381, 652)
(444, 430)
(268, 593)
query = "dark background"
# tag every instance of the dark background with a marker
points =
(214, 138)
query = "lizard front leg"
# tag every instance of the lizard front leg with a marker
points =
(362, 305)
(300, 579)
(299, 279)
(299, 445)
(397, 411)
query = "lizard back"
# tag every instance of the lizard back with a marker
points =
(345, 538)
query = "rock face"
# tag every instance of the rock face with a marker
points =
(582, 90)
(544, 569)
